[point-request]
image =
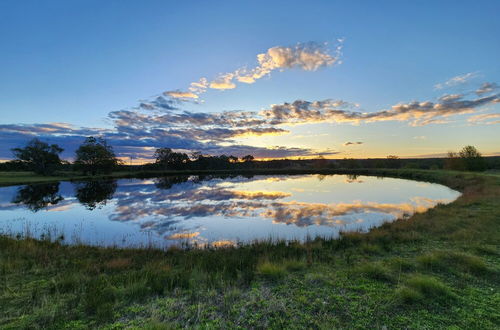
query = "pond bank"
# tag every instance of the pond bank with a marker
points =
(437, 269)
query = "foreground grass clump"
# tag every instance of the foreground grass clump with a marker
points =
(270, 270)
(443, 260)
(374, 271)
(438, 269)
(426, 289)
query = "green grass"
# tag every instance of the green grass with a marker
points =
(439, 269)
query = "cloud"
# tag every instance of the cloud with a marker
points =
(137, 132)
(305, 56)
(160, 103)
(486, 88)
(457, 80)
(421, 137)
(485, 119)
(199, 86)
(309, 56)
(181, 95)
(351, 143)
(224, 81)
(416, 113)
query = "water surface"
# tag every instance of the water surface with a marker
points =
(211, 210)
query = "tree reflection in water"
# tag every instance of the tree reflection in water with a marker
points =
(168, 182)
(92, 194)
(38, 196)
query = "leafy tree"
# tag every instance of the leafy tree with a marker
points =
(94, 155)
(248, 158)
(233, 159)
(39, 156)
(472, 159)
(165, 157)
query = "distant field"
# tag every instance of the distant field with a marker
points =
(439, 269)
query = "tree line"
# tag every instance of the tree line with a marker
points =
(95, 156)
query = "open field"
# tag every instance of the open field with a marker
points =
(438, 269)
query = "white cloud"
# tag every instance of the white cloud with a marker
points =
(305, 56)
(457, 80)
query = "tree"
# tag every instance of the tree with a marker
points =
(165, 157)
(94, 155)
(472, 159)
(233, 159)
(39, 156)
(393, 161)
(454, 162)
(248, 158)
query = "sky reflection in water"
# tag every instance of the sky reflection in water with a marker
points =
(216, 210)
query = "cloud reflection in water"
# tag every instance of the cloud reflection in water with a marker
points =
(224, 210)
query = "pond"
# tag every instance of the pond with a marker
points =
(211, 210)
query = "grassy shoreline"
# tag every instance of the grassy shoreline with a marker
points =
(438, 269)
(20, 178)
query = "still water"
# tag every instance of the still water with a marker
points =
(212, 210)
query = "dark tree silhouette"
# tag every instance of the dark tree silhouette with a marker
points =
(454, 162)
(94, 156)
(38, 196)
(92, 194)
(472, 159)
(393, 161)
(248, 158)
(233, 159)
(40, 157)
(169, 159)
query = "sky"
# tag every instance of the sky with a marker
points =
(273, 79)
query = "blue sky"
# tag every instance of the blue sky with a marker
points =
(74, 62)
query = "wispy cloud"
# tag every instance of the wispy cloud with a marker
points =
(485, 119)
(416, 113)
(136, 133)
(309, 56)
(349, 143)
(457, 80)
(486, 88)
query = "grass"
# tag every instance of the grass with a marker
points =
(424, 289)
(438, 269)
